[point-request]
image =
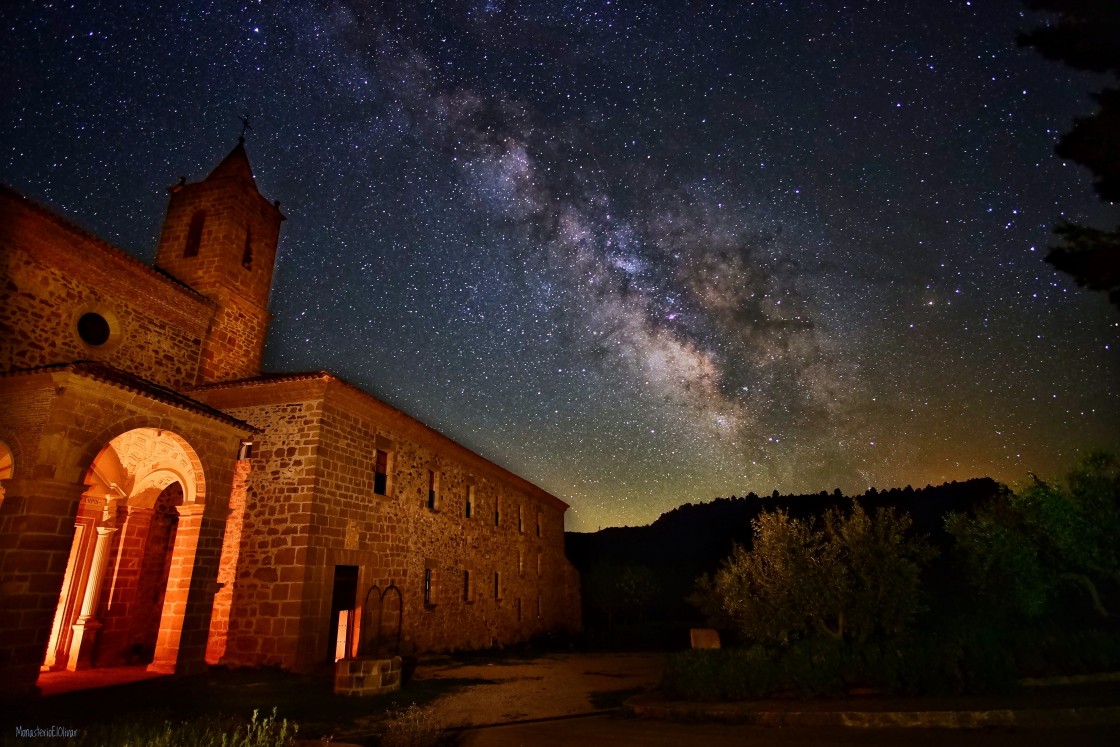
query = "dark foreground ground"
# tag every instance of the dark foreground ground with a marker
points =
(624, 732)
(540, 699)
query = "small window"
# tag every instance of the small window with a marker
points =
(433, 490)
(381, 472)
(539, 564)
(497, 511)
(247, 255)
(538, 523)
(429, 587)
(468, 591)
(520, 562)
(497, 584)
(194, 234)
(520, 521)
(93, 329)
(468, 507)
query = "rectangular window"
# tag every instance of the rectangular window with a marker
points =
(381, 472)
(497, 511)
(468, 592)
(433, 490)
(497, 584)
(469, 505)
(520, 521)
(538, 564)
(520, 562)
(538, 523)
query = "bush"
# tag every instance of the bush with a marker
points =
(967, 661)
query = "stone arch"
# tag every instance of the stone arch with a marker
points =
(7, 467)
(196, 474)
(130, 568)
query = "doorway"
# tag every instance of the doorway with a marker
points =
(344, 602)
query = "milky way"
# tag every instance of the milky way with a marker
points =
(641, 253)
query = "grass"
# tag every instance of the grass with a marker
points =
(224, 700)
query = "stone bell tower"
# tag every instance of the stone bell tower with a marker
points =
(220, 237)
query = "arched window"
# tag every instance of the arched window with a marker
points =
(194, 234)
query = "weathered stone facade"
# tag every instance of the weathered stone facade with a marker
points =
(166, 503)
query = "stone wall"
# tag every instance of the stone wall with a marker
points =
(267, 609)
(312, 506)
(54, 273)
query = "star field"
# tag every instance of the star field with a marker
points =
(641, 253)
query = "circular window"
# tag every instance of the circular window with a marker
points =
(93, 329)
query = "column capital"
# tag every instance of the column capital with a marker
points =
(191, 509)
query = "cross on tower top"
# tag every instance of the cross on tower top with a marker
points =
(244, 126)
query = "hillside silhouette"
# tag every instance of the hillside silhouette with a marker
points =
(693, 539)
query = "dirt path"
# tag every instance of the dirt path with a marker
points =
(546, 687)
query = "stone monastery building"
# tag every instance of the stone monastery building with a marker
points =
(166, 503)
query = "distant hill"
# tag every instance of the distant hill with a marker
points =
(693, 539)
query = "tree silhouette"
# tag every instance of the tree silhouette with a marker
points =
(848, 576)
(1024, 548)
(1084, 36)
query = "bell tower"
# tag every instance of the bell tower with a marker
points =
(219, 237)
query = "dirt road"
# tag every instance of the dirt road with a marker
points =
(545, 687)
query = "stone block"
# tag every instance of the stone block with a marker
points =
(367, 676)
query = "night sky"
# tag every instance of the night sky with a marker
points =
(641, 253)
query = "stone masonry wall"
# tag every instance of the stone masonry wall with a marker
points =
(266, 612)
(51, 273)
(235, 344)
(312, 507)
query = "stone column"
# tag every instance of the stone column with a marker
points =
(185, 622)
(36, 532)
(85, 630)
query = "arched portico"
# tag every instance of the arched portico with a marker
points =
(124, 594)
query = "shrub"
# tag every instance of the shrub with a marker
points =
(1025, 552)
(964, 662)
(411, 727)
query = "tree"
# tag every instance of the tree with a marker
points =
(1084, 37)
(848, 577)
(615, 589)
(1025, 548)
